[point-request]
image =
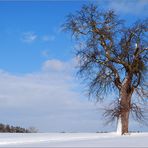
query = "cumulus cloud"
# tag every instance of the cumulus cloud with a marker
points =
(29, 37)
(36, 86)
(55, 65)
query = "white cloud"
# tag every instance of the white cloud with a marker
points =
(49, 100)
(29, 37)
(136, 7)
(48, 38)
(55, 65)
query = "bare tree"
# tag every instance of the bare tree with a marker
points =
(112, 57)
(32, 129)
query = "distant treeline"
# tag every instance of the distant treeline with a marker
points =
(16, 129)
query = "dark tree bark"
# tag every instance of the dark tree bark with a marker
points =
(126, 92)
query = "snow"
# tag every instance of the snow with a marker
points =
(119, 126)
(73, 140)
(124, 81)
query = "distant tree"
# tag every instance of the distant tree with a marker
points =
(112, 57)
(8, 129)
(17, 129)
(11, 129)
(32, 129)
(2, 127)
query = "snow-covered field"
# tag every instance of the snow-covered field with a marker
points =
(73, 140)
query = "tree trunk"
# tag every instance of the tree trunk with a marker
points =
(125, 120)
(125, 104)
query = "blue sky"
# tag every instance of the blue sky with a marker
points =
(38, 87)
(40, 20)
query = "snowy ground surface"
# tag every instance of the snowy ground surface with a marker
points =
(73, 140)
